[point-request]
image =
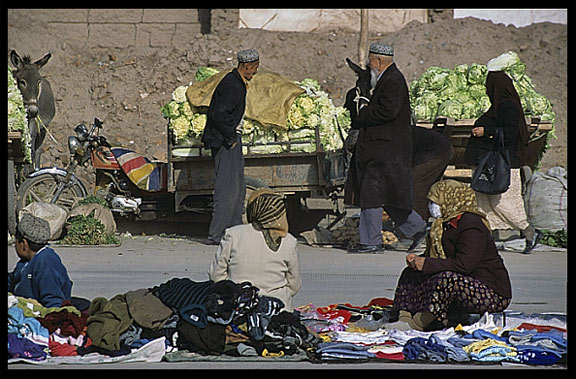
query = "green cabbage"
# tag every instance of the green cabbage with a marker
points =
(17, 119)
(436, 77)
(477, 91)
(456, 79)
(204, 73)
(477, 74)
(461, 93)
(312, 109)
(424, 112)
(450, 108)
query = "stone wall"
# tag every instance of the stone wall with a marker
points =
(121, 28)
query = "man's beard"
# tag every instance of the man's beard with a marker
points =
(373, 78)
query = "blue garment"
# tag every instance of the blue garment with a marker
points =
(552, 340)
(537, 357)
(43, 278)
(462, 341)
(419, 348)
(24, 348)
(343, 350)
(457, 354)
(26, 327)
(482, 334)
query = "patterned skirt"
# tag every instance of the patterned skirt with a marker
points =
(444, 291)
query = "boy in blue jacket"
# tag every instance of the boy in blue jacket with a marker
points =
(40, 273)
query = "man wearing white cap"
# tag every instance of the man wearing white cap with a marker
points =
(383, 164)
(223, 135)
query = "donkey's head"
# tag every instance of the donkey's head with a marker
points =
(363, 86)
(28, 79)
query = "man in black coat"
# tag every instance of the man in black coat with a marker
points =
(382, 173)
(223, 135)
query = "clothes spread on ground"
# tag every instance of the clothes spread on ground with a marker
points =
(237, 323)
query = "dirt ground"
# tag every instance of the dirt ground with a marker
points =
(126, 87)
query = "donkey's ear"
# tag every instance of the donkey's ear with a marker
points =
(42, 61)
(15, 59)
(357, 69)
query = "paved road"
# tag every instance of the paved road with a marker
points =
(330, 275)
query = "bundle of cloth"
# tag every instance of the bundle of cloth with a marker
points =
(207, 317)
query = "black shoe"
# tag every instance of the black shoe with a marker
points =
(211, 242)
(530, 245)
(366, 249)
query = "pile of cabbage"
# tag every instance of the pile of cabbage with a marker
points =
(311, 109)
(17, 121)
(461, 94)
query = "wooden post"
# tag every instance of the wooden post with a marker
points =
(363, 37)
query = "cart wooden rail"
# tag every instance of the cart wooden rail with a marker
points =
(460, 130)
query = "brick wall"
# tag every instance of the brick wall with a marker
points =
(131, 27)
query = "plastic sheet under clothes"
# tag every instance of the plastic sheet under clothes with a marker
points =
(151, 352)
(513, 319)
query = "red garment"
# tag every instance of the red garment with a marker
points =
(331, 312)
(381, 301)
(539, 328)
(58, 349)
(70, 324)
(395, 356)
(455, 220)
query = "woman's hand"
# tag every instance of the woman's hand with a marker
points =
(478, 131)
(415, 262)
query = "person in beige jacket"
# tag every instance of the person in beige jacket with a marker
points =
(261, 252)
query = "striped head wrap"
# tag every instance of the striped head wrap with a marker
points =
(454, 198)
(267, 212)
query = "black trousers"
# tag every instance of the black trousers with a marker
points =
(229, 190)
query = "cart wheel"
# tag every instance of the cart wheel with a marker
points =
(42, 188)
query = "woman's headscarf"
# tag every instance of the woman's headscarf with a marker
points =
(267, 212)
(500, 88)
(454, 198)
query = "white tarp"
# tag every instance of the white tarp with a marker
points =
(516, 17)
(313, 20)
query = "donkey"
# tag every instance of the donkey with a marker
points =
(357, 98)
(37, 97)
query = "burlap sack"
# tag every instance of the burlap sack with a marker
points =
(53, 213)
(268, 99)
(101, 213)
(546, 199)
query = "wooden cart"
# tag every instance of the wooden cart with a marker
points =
(311, 181)
(460, 130)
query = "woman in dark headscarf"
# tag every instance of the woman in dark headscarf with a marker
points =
(506, 210)
(261, 252)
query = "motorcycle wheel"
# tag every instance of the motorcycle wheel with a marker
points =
(42, 188)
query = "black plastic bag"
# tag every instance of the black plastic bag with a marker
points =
(492, 174)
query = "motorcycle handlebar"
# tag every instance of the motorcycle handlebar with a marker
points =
(97, 124)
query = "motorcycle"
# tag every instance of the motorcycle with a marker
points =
(123, 177)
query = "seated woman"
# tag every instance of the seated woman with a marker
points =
(261, 252)
(461, 267)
